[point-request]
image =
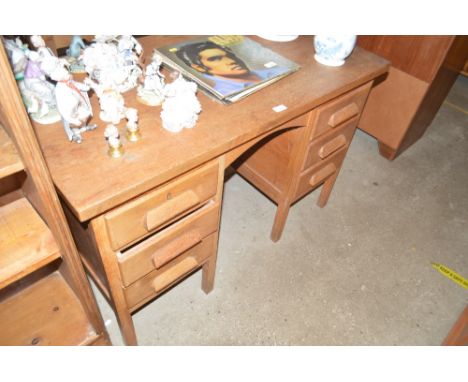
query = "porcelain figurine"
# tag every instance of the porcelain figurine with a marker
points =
(111, 66)
(181, 107)
(152, 91)
(41, 47)
(73, 57)
(333, 50)
(71, 98)
(76, 46)
(133, 132)
(110, 100)
(111, 133)
(36, 91)
(17, 56)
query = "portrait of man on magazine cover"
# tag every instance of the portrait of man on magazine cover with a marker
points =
(219, 64)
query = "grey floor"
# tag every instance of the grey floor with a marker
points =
(357, 272)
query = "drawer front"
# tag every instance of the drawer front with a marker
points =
(326, 145)
(316, 175)
(157, 281)
(157, 208)
(168, 244)
(340, 110)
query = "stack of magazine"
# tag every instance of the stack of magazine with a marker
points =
(227, 67)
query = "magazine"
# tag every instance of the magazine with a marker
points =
(227, 67)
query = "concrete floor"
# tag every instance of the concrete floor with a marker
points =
(357, 272)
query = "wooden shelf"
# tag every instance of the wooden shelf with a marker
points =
(44, 313)
(10, 161)
(26, 243)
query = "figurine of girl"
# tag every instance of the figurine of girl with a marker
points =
(181, 107)
(111, 101)
(152, 91)
(36, 91)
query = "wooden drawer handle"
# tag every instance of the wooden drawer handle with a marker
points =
(177, 271)
(170, 209)
(332, 146)
(175, 248)
(322, 174)
(343, 114)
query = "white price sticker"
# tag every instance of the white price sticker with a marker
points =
(280, 108)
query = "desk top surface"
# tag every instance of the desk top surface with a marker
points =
(91, 182)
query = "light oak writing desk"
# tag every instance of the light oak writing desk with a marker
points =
(145, 221)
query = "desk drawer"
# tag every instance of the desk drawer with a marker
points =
(168, 244)
(157, 208)
(326, 145)
(158, 280)
(339, 110)
(316, 175)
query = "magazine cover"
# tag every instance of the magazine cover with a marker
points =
(229, 67)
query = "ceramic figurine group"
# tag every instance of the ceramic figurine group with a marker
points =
(113, 66)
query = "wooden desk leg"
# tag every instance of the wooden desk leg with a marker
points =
(208, 273)
(209, 268)
(111, 268)
(280, 220)
(327, 189)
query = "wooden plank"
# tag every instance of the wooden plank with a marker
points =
(45, 313)
(26, 244)
(92, 182)
(10, 161)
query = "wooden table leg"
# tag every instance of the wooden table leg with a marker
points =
(208, 274)
(209, 268)
(111, 268)
(326, 189)
(280, 220)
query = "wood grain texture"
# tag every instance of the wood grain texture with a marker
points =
(45, 313)
(157, 208)
(92, 182)
(391, 106)
(26, 244)
(10, 161)
(419, 56)
(167, 244)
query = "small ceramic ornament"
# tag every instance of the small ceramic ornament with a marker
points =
(37, 92)
(113, 61)
(152, 91)
(133, 132)
(73, 57)
(110, 100)
(111, 133)
(181, 107)
(332, 50)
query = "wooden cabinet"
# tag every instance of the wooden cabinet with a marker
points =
(45, 298)
(310, 153)
(423, 69)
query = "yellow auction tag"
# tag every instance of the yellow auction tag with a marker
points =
(451, 275)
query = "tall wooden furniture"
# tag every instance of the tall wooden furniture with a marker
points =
(145, 221)
(423, 69)
(45, 298)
